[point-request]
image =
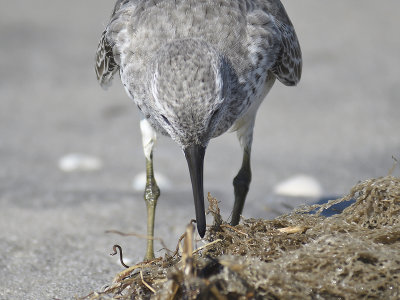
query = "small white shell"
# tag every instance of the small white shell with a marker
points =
(299, 186)
(74, 162)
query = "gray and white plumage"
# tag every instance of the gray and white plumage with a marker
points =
(196, 68)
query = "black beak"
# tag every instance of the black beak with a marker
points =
(195, 158)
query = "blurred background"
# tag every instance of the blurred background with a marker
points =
(71, 160)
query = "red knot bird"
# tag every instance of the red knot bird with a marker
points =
(196, 69)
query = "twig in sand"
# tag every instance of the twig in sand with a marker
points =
(140, 236)
(214, 210)
(126, 272)
(234, 229)
(207, 245)
(115, 247)
(394, 165)
(187, 253)
(174, 291)
(179, 242)
(146, 284)
(293, 229)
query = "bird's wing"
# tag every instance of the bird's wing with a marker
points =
(273, 33)
(105, 66)
(119, 4)
(288, 65)
(106, 59)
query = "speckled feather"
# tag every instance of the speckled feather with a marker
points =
(194, 68)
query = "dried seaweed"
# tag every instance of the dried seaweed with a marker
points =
(302, 255)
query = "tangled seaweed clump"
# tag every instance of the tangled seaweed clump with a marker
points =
(302, 255)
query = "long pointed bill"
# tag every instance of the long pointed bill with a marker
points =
(195, 158)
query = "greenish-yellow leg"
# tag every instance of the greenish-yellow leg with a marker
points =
(241, 184)
(151, 194)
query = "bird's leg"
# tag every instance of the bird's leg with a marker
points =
(241, 182)
(151, 192)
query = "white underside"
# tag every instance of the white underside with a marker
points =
(149, 137)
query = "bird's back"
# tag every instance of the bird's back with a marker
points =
(255, 36)
(140, 28)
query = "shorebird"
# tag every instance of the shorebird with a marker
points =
(196, 69)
